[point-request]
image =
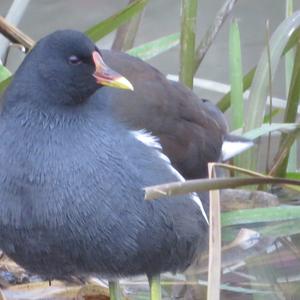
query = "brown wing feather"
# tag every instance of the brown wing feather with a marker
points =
(190, 130)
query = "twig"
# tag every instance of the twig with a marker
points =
(212, 32)
(126, 34)
(13, 16)
(198, 185)
(241, 170)
(214, 261)
(14, 34)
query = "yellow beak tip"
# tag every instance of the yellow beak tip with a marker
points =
(124, 83)
(118, 83)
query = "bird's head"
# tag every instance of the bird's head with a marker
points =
(68, 65)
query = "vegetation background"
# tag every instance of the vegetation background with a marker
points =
(162, 17)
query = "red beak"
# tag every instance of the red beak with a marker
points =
(106, 76)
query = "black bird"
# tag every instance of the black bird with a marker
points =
(72, 175)
(192, 131)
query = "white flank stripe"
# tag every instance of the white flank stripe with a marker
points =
(231, 149)
(147, 138)
(151, 141)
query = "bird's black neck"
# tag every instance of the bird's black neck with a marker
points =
(34, 107)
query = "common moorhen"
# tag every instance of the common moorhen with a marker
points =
(191, 130)
(72, 175)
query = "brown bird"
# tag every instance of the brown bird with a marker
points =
(191, 130)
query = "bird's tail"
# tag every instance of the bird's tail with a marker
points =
(234, 145)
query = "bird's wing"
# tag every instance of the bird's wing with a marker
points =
(188, 129)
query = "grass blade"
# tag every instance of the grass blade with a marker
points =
(256, 215)
(187, 41)
(224, 102)
(156, 47)
(258, 93)
(270, 88)
(256, 104)
(290, 55)
(266, 128)
(289, 61)
(272, 229)
(114, 290)
(292, 164)
(155, 287)
(236, 77)
(103, 28)
(280, 160)
(236, 82)
(4, 84)
(293, 175)
(5, 78)
(290, 113)
(270, 116)
(4, 74)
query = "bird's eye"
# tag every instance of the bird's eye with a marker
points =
(74, 60)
